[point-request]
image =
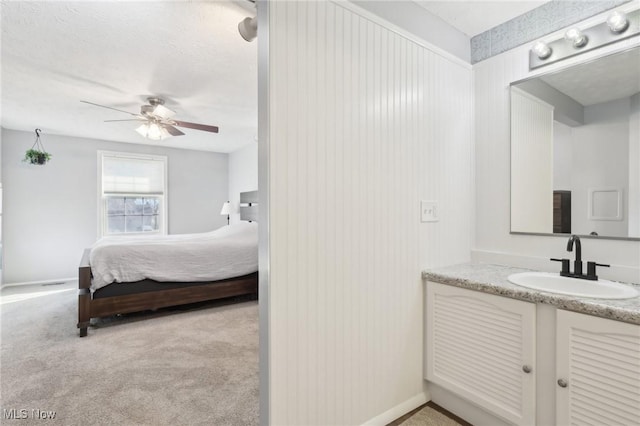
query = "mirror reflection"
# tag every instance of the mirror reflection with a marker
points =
(575, 149)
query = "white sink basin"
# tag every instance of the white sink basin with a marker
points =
(554, 283)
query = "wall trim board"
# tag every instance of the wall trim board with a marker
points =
(399, 410)
(615, 272)
(401, 32)
(264, 269)
(51, 281)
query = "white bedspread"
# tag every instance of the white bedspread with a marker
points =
(228, 252)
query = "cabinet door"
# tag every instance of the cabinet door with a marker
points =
(598, 371)
(478, 346)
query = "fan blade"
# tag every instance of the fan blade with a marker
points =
(103, 106)
(172, 130)
(163, 112)
(196, 126)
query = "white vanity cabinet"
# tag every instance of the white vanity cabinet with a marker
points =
(482, 348)
(597, 369)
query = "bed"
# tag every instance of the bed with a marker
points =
(130, 274)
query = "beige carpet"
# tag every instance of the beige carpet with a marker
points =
(427, 416)
(166, 368)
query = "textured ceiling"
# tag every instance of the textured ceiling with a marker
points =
(602, 80)
(117, 53)
(473, 17)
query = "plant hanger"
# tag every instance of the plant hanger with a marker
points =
(37, 154)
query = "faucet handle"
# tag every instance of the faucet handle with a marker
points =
(565, 265)
(591, 270)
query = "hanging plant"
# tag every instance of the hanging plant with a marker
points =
(37, 154)
(33, 156)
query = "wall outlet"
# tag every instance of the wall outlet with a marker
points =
(429, 211)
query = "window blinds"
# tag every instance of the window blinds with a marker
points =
(130, 175)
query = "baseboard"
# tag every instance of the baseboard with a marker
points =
(399, 410)
(54, 281)
(621, 273)
(463, 408)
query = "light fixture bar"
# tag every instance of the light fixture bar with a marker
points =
(596, 36)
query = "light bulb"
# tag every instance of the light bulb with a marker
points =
(576, 37)
(143, 129)
(542, 50)
(153, 131)
(618, 22)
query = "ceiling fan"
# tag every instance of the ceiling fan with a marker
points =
(157, 121)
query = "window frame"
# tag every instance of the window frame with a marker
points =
(163, 216)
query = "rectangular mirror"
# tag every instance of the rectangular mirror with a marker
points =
(575, 150)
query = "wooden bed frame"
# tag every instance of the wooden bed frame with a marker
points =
(91, 307)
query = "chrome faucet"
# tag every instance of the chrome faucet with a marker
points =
(577, 264)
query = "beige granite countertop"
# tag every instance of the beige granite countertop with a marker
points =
(493, 279)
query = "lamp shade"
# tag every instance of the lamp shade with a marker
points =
(153, 131)
(226, 209)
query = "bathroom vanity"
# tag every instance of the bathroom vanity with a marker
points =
(528, 357)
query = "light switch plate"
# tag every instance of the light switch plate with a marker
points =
(429, 211)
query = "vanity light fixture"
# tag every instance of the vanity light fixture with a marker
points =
(576, 37)
(618, 22)
(542, 49)
(618, 26)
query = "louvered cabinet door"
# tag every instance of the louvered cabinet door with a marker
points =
(482, 348)
(598, 371)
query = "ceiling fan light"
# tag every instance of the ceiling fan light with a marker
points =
(143, 129)
(153, 131)
(248, 28)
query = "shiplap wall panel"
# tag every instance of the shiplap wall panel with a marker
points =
(363, 124)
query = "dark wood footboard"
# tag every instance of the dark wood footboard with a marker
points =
(84, 293)
(90, 307)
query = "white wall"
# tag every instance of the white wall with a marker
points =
(243, 175)
(493, 241)
(600, 153)
(364, 123)
(50, 212)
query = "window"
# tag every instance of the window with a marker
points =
(132, 193)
